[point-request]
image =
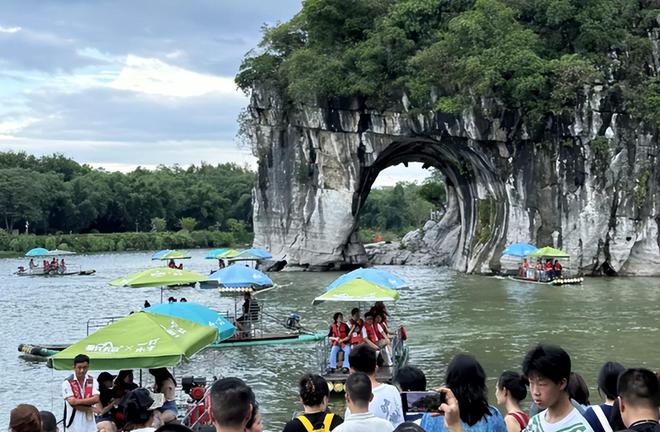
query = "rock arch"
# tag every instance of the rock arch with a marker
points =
(590, 187)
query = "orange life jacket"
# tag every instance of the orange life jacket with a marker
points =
(340, 332)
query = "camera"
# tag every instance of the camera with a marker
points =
(422, 401)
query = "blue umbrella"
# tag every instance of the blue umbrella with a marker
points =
(36, 252)
(238, 276)
(196, 313)
(375, 276)
(213, 253)
(159, 254)
(252, 254)
(519, 250)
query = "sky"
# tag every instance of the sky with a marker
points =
(120, 84)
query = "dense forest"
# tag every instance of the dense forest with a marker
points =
(56, 194)
(531, 56)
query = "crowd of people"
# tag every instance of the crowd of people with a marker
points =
(53, 265)
(560, 400)
(372, 331)
(540, 271)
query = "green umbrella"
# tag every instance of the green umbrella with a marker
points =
(549, 252)
(159, 277)
(358, 290)
(229, 253)
(141, 340)
(174, 254)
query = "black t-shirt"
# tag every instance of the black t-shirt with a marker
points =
(644, 427)
(316, 419)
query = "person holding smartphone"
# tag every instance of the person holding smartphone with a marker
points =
(467, 380)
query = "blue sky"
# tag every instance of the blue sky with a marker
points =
(117, 84)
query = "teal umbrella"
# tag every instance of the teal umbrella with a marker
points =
(196, 313)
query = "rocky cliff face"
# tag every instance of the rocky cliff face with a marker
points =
(590, 186)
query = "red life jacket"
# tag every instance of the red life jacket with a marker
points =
(371, 333)
(340, 332)
(557, 266)
(356, 336)
(379, 335)
(75, 388)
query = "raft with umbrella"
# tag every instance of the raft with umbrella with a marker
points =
(357, 290)
(39, 270)
(550, 253)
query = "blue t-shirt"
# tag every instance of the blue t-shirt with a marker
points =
(591, 417)
(488, 423)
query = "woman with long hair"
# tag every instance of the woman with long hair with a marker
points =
(467, 380)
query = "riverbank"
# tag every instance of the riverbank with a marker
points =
(16, 245)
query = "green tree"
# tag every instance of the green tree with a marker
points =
(22, 193)
(158, 224)
(187, 223)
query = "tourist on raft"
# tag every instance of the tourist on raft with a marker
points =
(467, 380)
(104, 420)
(557, 269)
(141, 410)
(165, 384)
(510, 390)
(339, 336)
(314, 394)
(368, 332)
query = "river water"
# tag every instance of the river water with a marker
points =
(445, 313)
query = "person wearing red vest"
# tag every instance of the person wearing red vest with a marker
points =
(81, 396)
(339, 337)
(368, 331)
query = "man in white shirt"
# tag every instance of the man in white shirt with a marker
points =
(358, 395)
(386, 402)
(548, 369)
(81, 394)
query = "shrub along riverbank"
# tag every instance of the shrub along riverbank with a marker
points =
(17, 245)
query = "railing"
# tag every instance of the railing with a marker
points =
(97, 323)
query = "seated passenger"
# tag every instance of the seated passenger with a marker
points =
(165, 384)
(382, 339)
(540, 274)
(339, 336)
(171, 264)
(250, 313)
(522, 270)
(557, 268)
(368, 331)
(104, 420)
(356, 333)
(549, 274)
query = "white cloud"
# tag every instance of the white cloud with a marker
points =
(10, 29)
(412, 173)
(12, 126)
(155, 77)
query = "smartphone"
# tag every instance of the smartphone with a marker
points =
(421, 401)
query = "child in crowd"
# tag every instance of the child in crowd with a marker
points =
(548, 369)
